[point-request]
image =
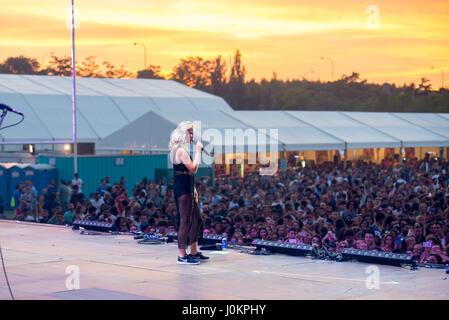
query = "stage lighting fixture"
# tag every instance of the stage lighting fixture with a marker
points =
(377, 257)
(206, 239)
(292, 249)
(93, 225)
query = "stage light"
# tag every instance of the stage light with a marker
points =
(205, 239)
(394, 259)
(67, 147)
(286, 248)
(29, 147)
(93, 225)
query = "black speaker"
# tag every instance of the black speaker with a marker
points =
(378, 257)
(93, 225)
(292, 249)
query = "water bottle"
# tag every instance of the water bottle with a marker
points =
(224, 243)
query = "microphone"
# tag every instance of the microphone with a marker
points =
(8, 108)
(202, 149)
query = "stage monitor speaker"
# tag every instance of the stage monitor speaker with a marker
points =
(93, 225)
(292, 249)
(378, 257)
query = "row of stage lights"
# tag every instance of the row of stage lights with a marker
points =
(294, 249)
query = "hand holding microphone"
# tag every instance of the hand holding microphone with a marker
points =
(200, 148)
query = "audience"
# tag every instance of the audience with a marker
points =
(402, 208)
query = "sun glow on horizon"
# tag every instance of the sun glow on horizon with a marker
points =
(282, 37)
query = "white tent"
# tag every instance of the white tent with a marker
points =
(224, 133)
(103, 105)
(149, 132)
(429, 121)
(357, 135)
(411, 135)
(139, 114)
(292, 132)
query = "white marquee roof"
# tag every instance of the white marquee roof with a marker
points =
(357, 135)
(141, 113)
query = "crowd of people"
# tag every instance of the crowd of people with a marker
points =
(401, 208)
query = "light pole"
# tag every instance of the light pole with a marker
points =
(45, 54)
(442, 75)
(332, 65)
(144, 54)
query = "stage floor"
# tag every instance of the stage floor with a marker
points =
(111, 267)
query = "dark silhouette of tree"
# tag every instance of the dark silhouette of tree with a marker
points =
(348, 93)
(218, 77)
(424, 87)
(237, 80)
(20, 65)
(194, 72)
(89, 68)
(59, 66)
(152, 72)
(113, 72)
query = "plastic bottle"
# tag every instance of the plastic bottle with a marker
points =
(224, 243)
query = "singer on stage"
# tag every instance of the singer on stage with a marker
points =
(186, 197)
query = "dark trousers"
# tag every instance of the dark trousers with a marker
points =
(188, 220)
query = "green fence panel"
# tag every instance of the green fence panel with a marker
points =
(91, 169)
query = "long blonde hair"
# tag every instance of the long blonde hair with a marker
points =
(180, 138)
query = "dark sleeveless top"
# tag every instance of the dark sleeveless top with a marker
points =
(183, 180)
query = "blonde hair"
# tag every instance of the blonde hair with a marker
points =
(180, 138)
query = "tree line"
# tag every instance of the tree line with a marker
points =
(348, 93)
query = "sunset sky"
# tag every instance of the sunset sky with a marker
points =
(284, 36)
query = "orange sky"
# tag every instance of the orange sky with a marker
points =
(284, 36)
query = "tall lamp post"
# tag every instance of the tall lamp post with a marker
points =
(442, 75)
(332, 65)
(144, 54)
